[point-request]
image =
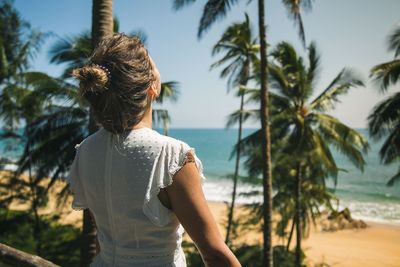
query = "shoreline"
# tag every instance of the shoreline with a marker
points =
(374, 246)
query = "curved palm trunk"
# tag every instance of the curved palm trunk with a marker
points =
(291, 232)
(102, 26)
(235, 177)
(36, 229)
(298, 216)
(266, 143)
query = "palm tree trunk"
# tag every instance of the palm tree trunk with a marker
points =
(291, 233)
(102, 26)
(102, 20)
(266, 142)
(36, 228)
(298, 216)
(235, 176)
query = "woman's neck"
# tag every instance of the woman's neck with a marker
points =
(146, 121)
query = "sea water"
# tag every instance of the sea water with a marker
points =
(364, 193)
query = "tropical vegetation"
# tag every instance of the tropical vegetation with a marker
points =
(240, 49)
(384, 120)
(45, 116)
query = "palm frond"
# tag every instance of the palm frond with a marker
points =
(294, 12)
(384, 116)
(213, 10)
(161, 117)
(169, 91)
(179, 4)
(347, 141)
(343, 82)
(390, 150)
(246, 114)
(386, 74)
(394, 41)
(73, 51)
(314, 61)
(394, 179)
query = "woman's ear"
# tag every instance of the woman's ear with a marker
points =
(152, 91)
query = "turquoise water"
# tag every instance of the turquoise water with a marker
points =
(365, 193)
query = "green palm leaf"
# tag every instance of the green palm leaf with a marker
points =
(246, 114)
(294, 7)
(386, 74)
(394, 179)
(384, 116)
(169, 91)
(342, 83)
(394, 42)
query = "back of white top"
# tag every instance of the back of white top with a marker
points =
(118, 177)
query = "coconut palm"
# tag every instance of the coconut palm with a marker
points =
(217, 9)
(303, 126)
(31, 104)
(240, 51)
(19, 43)
(384, 120)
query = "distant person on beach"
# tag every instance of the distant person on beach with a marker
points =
(143, 189)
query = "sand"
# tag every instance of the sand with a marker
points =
(377, 245)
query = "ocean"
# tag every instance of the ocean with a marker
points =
(364, 193)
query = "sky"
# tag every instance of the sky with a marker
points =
(347, 33)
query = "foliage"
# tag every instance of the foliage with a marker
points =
(215, 10)
(384, 119)
(19, 43)
(240, 50)
(60, 242)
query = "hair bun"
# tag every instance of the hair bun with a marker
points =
(91, 78)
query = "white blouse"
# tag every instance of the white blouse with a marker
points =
(118, 177)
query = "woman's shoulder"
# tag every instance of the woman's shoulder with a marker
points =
(173, 142)
(91, 139)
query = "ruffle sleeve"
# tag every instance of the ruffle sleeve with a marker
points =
(75, 185)
(171, 159)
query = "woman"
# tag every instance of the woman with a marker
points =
(143, 189)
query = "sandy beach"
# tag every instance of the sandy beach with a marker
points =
(375, 246)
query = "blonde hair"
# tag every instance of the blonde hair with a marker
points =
(116, 80)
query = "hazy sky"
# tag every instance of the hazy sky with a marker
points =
(348, 33)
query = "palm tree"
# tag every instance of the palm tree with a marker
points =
(241, 50)
(384, 120)
(19, 43)
(31, 102)
(315, 194)
(217, 9)
(304, 125)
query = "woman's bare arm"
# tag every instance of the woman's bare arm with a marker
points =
(187, 200)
